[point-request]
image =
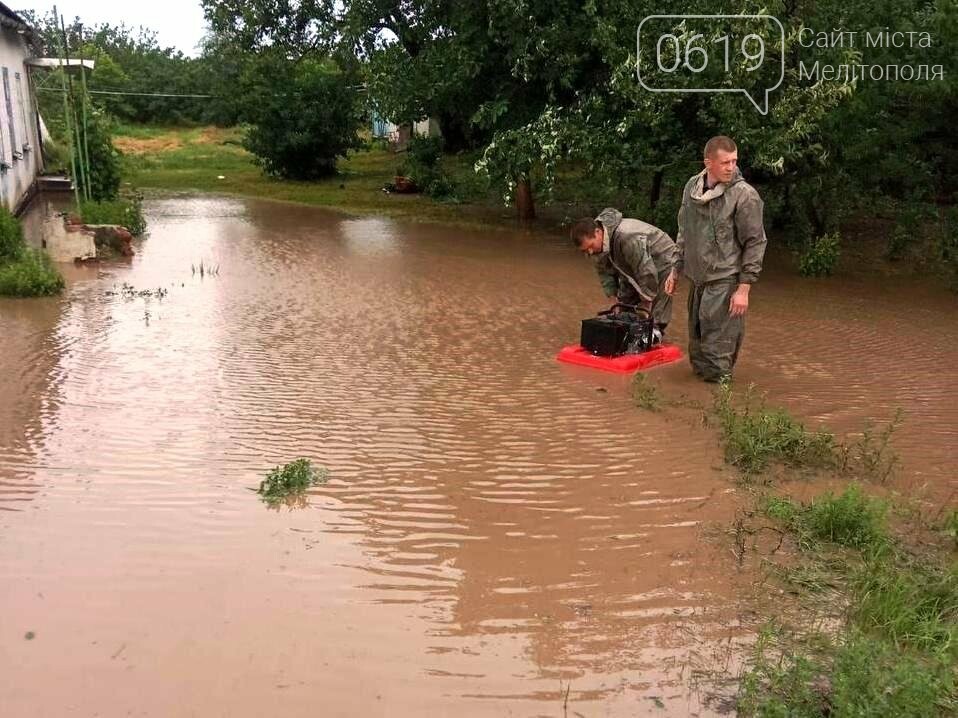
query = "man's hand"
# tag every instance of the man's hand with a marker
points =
(738, 304)
(670, 283)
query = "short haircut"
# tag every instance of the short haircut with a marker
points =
(582, 230)
(720, 142)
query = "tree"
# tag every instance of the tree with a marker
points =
(305, 118)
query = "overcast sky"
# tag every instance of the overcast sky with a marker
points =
(178, 23)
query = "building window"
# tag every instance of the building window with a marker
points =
(23, 114)
(15, 151)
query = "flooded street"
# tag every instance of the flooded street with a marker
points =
(500, 534)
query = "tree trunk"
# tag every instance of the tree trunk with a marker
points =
(655, 191)
(525, 203)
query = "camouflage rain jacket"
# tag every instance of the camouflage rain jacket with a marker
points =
(637, 254)
(721, 232)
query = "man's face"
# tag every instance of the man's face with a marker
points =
(592, 245)
(721, 165)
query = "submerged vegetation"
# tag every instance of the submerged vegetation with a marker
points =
(24, 272)
(291, 480)
(645, 394)
(755, 435)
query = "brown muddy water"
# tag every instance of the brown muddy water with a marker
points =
(500, 535)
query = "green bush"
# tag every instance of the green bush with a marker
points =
(104, 159)
(124, 212)
(820, 257)
(425, 151)
(24, 272)
(304, 118)
(423, 165)
(30, 275)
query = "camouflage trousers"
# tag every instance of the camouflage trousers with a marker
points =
(661, 306)
(714, 337)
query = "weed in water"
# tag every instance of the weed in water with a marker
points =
(645, 394)
(291, 479)
(871, 457)
(205, 269)
(754, 435)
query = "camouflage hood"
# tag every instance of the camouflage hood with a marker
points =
(700, 197)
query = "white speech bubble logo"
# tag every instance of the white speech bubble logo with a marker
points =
(761, 107)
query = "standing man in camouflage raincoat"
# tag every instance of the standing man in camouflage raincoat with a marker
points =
(720, 248)
(633, 260)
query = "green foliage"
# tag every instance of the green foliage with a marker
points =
(783, 687)
(306, 117)
(24, 272)
(863, 677)
(104, 159)
(870, 677)
(11, 237)
(754, 435)
(424, 166)
(948, 245)
(914, 604)
(124, 212)
(820, 257)
(30, 275)
(290, 479)
(850, 519)
(130, 59)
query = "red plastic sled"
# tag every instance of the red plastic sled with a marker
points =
(623, 364)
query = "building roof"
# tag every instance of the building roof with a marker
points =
(8, 18)
(59, 62)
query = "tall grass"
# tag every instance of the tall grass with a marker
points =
(124, 212)
(896, 653)
(755, 435)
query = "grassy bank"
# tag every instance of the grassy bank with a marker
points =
(210, 159)
(878, 633)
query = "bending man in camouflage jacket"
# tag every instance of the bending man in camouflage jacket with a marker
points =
(633, 260)
(720, 247)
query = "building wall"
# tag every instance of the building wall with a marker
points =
(23, 158)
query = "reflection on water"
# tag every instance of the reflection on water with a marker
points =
(495, 529)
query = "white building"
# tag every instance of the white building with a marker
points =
(20, 160)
